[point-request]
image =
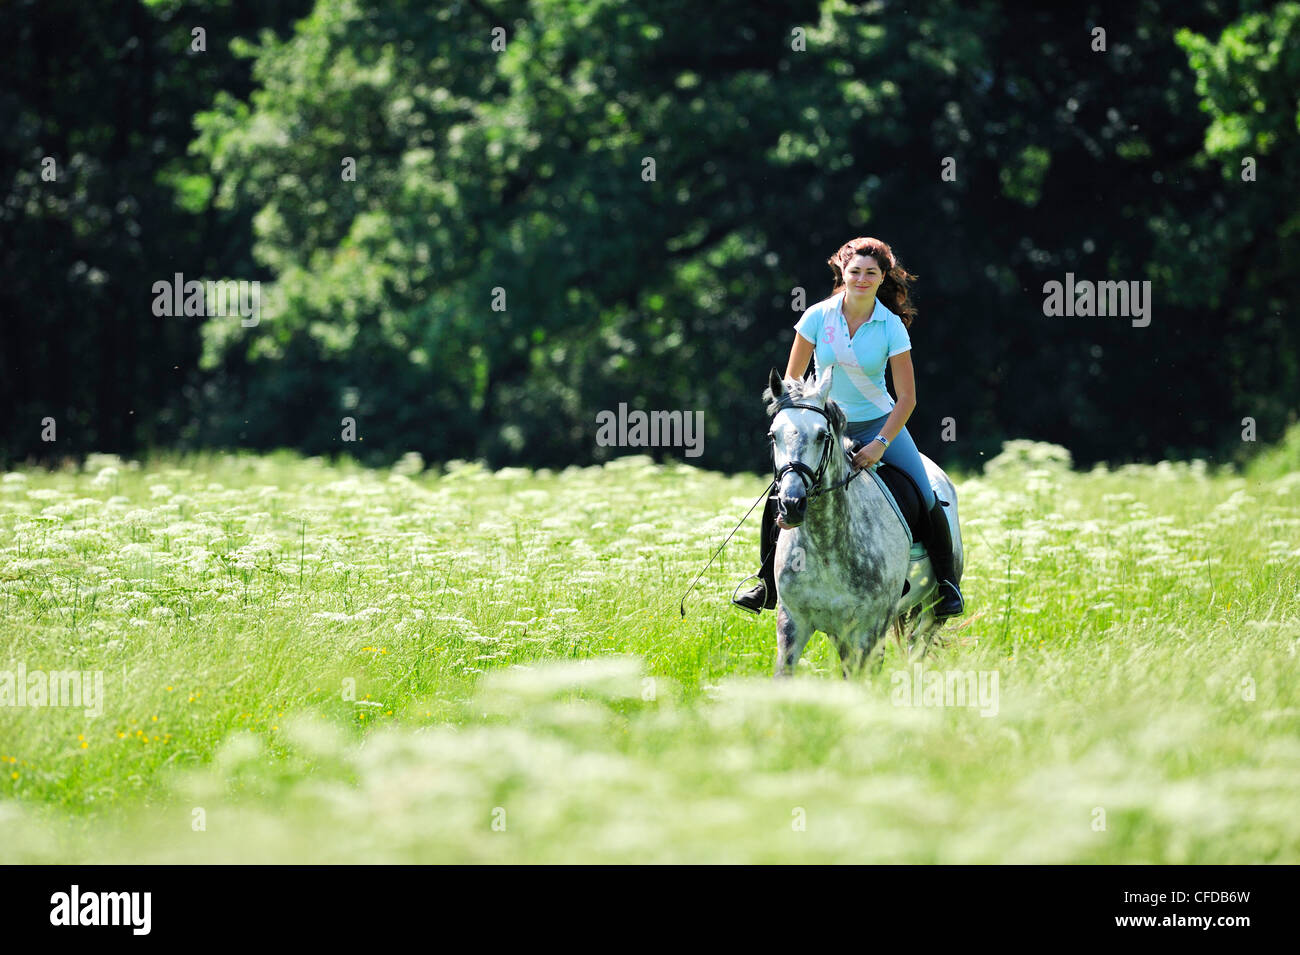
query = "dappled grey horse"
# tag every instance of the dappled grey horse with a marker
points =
(848, 565)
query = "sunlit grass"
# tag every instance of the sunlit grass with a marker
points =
(321, 662)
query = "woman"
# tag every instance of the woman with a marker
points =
(861, 326)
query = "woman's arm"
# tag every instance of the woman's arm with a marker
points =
(904, 395)
(905, 404)
(800, 353)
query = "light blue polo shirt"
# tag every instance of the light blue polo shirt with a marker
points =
(876, 341)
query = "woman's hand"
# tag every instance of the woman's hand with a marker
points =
(870, 454)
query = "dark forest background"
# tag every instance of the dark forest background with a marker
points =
(778, 131)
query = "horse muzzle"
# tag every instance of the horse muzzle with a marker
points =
(791, 510)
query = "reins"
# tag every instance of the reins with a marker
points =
(722, 545)
(812, 482)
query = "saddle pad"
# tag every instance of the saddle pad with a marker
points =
(907, 500)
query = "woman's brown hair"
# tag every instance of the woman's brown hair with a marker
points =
(893, 289)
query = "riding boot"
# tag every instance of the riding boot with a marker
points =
(762, 596)
(941, 558)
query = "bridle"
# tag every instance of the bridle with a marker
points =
(812, 480)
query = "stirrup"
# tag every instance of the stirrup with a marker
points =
(740, 606)
(961, 601)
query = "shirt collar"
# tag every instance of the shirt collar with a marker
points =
(877, 314)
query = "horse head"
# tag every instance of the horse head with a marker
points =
(806, 435)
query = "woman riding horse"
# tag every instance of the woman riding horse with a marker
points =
(861, 326)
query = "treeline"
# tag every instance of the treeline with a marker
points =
(477, 226)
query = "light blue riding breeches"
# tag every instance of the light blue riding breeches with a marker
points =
(901, 453)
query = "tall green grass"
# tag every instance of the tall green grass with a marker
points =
(306, 661)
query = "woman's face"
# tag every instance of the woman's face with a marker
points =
(862, 276)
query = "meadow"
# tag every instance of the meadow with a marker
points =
(313, 661)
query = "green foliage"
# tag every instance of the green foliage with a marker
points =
(339, 663)
(478, 169)
(1279, 460)
(1240, 252)
(1023, 182)
(108, 91)
(520, 170)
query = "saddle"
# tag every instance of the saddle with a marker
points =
(907, 497)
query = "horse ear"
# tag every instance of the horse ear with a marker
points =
(774, 382)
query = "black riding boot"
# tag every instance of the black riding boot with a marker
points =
(940, 548)
(762, 596)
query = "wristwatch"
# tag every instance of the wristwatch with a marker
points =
(882, 439)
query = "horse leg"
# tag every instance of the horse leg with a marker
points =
(863, 648)
(904, 627)
(851, 657)
(792, 636)
(900, 631)
(878, 659)
(846, 656)
(925, 625)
